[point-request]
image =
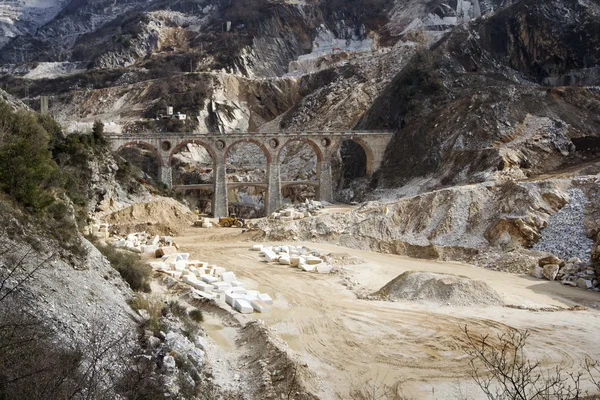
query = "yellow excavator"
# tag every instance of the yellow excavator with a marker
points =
(232, 221)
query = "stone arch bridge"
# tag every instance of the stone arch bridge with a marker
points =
(324, 144)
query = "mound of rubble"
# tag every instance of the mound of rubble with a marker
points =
(566, 234)
(295, 256)
(211, 282)
(298, 211)
(162, 217)
(441, 289)
(572, 272)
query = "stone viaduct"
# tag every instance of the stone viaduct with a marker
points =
(324, 144)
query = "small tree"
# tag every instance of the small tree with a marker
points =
(98, 133)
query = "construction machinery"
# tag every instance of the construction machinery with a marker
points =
(232, 221)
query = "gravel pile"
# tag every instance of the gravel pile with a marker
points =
(441, 289)
(565, 235)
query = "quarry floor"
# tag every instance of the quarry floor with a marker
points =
(345, 343)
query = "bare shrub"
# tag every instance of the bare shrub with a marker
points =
(154, 309)
(502, 371)
(377, 389)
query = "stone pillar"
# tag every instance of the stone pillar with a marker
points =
(325, 189)
(166, 175)
(220, 205)
(273, 200)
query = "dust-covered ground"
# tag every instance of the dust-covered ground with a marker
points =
(345, 342)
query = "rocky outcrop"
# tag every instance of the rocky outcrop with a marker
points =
(551, 41)
(451, 223)
(476, 117)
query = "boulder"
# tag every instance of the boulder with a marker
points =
(266, 298)
(208, 278)
(230, 297)
(550, 271)
(257, 247)
(284, 259)
(252, 294)
(221, 286)
(163, 251)
(228, 277)
(324, 268)
(312, 260)
(243, 306)
(294, 261)
(307, 267)
(153, 342)
(537, 272)
(154, 241)
(260, 306)
(584, 283)
(549, 260)
(569, 269)
(270, 256)
(205, 295)
(169, 364)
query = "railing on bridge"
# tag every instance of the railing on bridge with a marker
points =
(233, 134)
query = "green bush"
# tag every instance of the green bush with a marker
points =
(196, 315)
(27, 171)
(135, 272)
(155, 308)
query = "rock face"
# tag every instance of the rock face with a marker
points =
(474, 108)
(544, 51)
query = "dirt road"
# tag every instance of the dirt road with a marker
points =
(347, 342)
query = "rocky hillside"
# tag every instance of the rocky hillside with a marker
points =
(473, 104)
(329, 55)
(488, 90)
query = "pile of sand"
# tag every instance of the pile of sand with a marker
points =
(159, 217)
(442, 289)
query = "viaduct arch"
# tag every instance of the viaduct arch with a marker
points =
(324, 143)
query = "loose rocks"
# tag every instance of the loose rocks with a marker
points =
(566, 235)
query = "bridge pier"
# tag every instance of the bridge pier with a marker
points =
(273, 200)
(324, 176)
(220, 202)
(166, 175)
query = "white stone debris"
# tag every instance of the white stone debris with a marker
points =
(212, 283)
(299, 211)
(140, 242)
(296, 256)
